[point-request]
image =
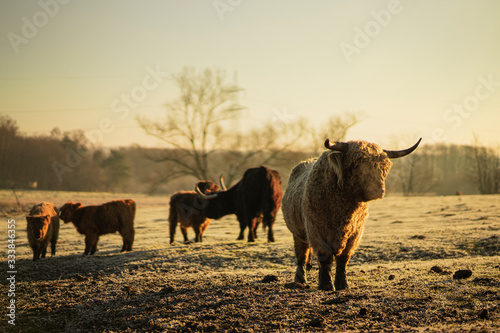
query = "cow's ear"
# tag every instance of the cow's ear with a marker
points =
(78, 205)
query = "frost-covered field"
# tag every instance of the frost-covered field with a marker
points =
(218, 285)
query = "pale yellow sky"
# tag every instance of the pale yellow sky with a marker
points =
(417, 68)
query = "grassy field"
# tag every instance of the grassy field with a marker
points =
(232, 286)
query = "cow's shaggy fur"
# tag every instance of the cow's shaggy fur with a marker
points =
(326, 204)
(189, 209)
(42, 229)
(254, 199)
(94, 221)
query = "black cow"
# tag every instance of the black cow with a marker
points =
(255, 198)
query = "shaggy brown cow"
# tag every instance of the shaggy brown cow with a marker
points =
(188, 209)
(43, 227)
(94, 221)
(326, 204)
(255, 198)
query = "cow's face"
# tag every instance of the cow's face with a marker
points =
(207, 187)
(366, 167)
(362, 168)
(66, 212)
(39, 225)
(371, 173)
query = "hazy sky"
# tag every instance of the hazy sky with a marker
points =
(414, 68)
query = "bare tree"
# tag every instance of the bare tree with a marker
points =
(193, 126)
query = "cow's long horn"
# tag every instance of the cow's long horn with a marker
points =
(337, 146)
(205, 196)
(401, 153)
(221, 182)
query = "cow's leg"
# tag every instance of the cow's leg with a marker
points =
(243, 225)
(184, 231)
(198, 233)
(269, 222)
(53, 247)
(340, 272)
(125, 243)
(36, 254)
(128, 245)
(343, 259)
(91, 244)
(325, 271)
(204, 226)
(255, 223)
(94, 246)
(130, 240)
(252, 226)
(303, 254)
(44, 252)
(173, 225)
(88, 244)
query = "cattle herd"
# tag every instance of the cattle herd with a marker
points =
(324, 207)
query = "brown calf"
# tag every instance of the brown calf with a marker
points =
(94, 221)
(43, 227)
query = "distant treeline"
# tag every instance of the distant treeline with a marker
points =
(66, 161)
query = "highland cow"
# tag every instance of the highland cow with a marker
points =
(43, 227)
(188, 209)
(255, 198)
(94, 221)
(326, 204)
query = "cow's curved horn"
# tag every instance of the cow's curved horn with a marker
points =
(221, 182)
(401, 153)
(205, 196)
(337, 146)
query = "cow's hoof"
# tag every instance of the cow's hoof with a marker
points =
(300, 279)
(325, 286)
(341, 285)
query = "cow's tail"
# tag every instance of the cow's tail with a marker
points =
(273, 201)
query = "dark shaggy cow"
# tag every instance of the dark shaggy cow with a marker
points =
(94, 221)
(42, 229)
(255, 198)
(188, 209)
(326, 204)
